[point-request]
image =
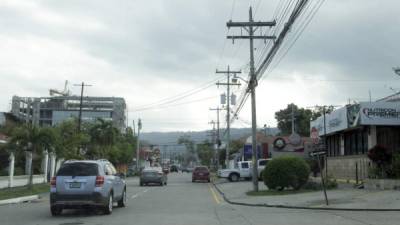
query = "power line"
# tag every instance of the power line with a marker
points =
(170, 106)
(178, 97)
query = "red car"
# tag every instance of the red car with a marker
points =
(201, 173)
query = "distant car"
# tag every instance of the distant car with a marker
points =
(174, 168)
(84, 183)
(187, 169)
(165, 169)
(201, 173)
(153, 176)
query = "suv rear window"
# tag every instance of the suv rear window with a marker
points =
(201, 169)
(78, 169)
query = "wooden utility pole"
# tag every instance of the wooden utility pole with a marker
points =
(228, 84)
(80, 104)
(251, 27)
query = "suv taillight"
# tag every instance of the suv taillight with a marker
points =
(99, 181)
(53, 181)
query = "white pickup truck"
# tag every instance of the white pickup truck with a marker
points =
(244, 170)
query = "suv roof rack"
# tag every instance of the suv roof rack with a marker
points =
(103, 160)
(70, 160)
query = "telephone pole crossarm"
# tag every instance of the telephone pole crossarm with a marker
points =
(251, 24)
(248, 37)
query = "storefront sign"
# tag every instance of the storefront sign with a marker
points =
(379, 113)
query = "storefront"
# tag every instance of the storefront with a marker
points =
(352, 130)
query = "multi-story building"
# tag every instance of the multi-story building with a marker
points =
(50, 111)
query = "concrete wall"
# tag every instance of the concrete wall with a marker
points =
(344, 167)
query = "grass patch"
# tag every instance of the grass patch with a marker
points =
(275, 192)
(15, 192)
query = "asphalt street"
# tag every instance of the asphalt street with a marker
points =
(182, 202)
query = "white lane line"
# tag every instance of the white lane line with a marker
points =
(134, 196)
(138, 194)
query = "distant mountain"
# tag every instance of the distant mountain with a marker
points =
(170, 138)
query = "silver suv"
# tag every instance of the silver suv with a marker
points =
(87, 183)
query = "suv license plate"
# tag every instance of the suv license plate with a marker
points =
(74, 185)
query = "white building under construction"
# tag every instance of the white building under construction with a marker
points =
(60, 106)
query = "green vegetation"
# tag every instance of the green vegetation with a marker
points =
(286, 172)
(387, 164)
(205, 152)
(16, 192)
(303, 117)
(99, 139)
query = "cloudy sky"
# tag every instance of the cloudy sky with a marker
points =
(151, 51)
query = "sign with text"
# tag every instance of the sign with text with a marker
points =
(379, 113)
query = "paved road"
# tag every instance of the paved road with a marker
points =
(182, 202)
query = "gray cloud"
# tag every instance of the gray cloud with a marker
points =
(145, 51)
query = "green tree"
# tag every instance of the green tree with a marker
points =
(68, 141)
(33, 138)
(205, 152)
(190, 154)
(319, 111)
(302, 120)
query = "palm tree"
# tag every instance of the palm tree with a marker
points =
(33, 138)
(103, 135)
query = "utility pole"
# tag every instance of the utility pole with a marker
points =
(138, 145)
(228, 112)
(251, 27)
(293, 119)
(134, 128)
(213, 138)
(80, 104)
(218, 140)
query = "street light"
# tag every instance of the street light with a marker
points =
(396, 70)
(235, 77)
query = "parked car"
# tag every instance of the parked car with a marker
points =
(235, 174)
(153, 176)
(87, 183)
(262, 163)
(174, 168)
(187, 169)
(201, 173)
(244, 170)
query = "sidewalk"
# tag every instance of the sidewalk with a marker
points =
(343, 197)
(21, 180)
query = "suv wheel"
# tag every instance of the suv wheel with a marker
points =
(55, 210)
(122, 201)
(109, 207)
(233, 177)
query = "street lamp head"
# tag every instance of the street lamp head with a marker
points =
(396, 70)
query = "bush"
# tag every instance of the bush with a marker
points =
(382, 158)
(286, 171)
(395, 170)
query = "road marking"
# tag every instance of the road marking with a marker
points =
(214, 194)
(134, 196)
(138, 194)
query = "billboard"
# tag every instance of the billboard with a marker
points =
(379, 113)
(334, 121)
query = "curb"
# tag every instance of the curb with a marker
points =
(19, 199)
(266, 205)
